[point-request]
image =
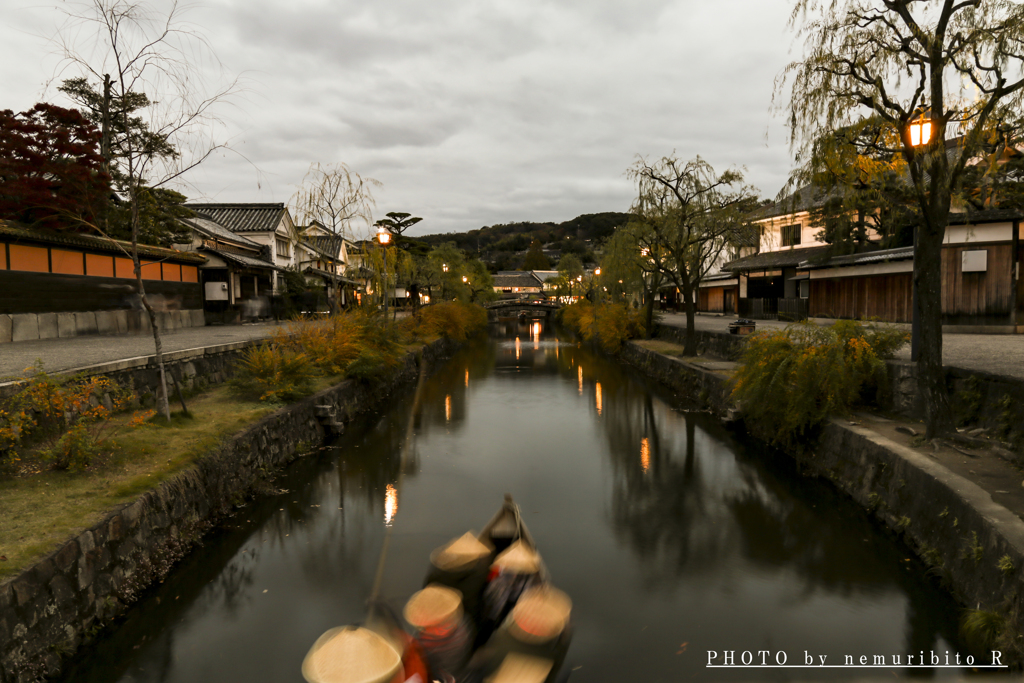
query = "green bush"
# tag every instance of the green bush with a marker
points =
(792, 380)
(610, 325)
(74, 450)
(274, 372)
(452, 319)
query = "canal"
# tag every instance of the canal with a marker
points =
(672, 536)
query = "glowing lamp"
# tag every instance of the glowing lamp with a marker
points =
(384, 237)
(920, 132)
(597, 271)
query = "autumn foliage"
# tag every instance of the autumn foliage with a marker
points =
(792, 380)
(51, 172)
(356, 344)
(69, 416)
(610, 325)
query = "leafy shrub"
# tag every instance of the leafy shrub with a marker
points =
(274, 372)
(74, 412)
(791, 380)
(452, 319)
(609, 324)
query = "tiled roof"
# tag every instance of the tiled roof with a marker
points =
(329, 245)
(803, 199)
(770, 260)
(240, 260)
(986, 216)
(516, 279)
(18, 232)
(213, 229)
(878, 256)
(242, 217)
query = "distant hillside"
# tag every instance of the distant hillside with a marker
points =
(499, 245)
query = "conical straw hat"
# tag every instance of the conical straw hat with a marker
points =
(459, 553)
(434, 605)
(350, 654)
(519, 558)
(540, 615)
(517, 668)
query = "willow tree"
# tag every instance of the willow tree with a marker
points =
(334, 196)
(956, 64)
(142, 79)
(693, 215)
(632, 264)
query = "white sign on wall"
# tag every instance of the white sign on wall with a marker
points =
(974, 261)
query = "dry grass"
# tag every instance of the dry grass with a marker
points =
(659, 346)
(40, 511)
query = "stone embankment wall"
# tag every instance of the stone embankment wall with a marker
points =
(992, 401)
(17, 327)
(191, 368)
(953, 524)
(53, 608)
(975, 544)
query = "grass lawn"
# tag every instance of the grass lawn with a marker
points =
(41, 510)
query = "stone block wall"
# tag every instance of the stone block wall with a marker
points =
(18, 327)
(53, 608)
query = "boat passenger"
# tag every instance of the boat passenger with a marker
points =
(353, 654)
(442, 630)
(463, 564)
(538, 627)
(513, 571)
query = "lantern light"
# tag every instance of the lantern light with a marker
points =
(920, 132)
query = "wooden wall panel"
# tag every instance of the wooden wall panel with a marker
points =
(885, 297)
(189, 274)
(123, 267)
(30, 259)
(99, 265)
(977, 294)
(67, 262)
(22, 292)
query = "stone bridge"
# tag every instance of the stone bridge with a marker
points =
(513, 308)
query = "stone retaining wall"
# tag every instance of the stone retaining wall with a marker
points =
(53, 608)
(19, 327)
(975, 544)
(191, 368)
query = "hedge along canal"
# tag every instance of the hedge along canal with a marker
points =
(671, 536)
(974, 544)
(64, 601)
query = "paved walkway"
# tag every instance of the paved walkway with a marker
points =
(79, 352)
(999, 354)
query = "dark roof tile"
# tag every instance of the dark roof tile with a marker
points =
(242, 217)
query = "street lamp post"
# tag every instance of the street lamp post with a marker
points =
(920, 136)
(384, 237)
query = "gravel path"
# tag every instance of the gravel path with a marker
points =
(999, 354)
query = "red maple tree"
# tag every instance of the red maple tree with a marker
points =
(51, 171)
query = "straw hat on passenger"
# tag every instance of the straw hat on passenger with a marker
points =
(517, 668)
(519, 558)
(351, 654)
(541, 614)
(433, 606)
(459, 553)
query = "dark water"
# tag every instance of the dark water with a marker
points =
(671, 537)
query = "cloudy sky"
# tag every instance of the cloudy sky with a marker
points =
(469, 112)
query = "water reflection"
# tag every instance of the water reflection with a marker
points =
(661, 525)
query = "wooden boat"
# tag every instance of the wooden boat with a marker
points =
(506, 527)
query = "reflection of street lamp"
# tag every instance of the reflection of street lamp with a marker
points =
(384, 237)
(920, 135)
